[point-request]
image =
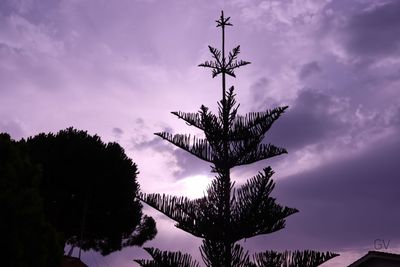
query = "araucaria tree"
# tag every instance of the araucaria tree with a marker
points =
(228, 214)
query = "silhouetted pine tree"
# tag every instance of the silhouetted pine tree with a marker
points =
(226, 214)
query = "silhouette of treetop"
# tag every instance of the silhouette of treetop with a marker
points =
(220, 64)
(89, 189)
(227, 214)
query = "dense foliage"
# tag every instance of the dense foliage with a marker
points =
(27, 238)
(89, 191)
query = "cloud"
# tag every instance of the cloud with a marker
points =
(320, 128)
(20, 6)
(375, 32)
(309, 69)
(21, 35)
(118, 68)
(13, 128)
(189, 165)
(355, 200)
(346, 204)
(275, 15)
(313, 117)
(362, 33)
(117, 131)
(185, 164)
(258, 90)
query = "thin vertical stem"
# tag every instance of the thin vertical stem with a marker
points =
(223, 58)
(225, 171)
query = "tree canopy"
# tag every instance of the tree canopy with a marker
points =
(89, 190)
(27, 238)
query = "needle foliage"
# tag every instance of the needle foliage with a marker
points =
(227, 214)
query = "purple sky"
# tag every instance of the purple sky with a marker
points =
(117, 68)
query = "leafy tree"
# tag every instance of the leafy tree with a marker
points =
(89, 191)
(227, 214)
(27, 239)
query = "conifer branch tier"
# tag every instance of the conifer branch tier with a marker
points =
(227, 214)
(196, 146)
(167, 259)
(254, 211)
(307, 258)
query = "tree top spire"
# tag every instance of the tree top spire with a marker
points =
(221, 63)
(222, 22)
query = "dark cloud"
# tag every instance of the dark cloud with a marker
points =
(308, 121)
(155, 143)
(396, 118)
(347, 204)
(52, 44)
(375, 32)
(309, 69)
(140, 122)
(32, 9)
(351, 202)
(258, 89)
(8, 7)
(117, 131)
